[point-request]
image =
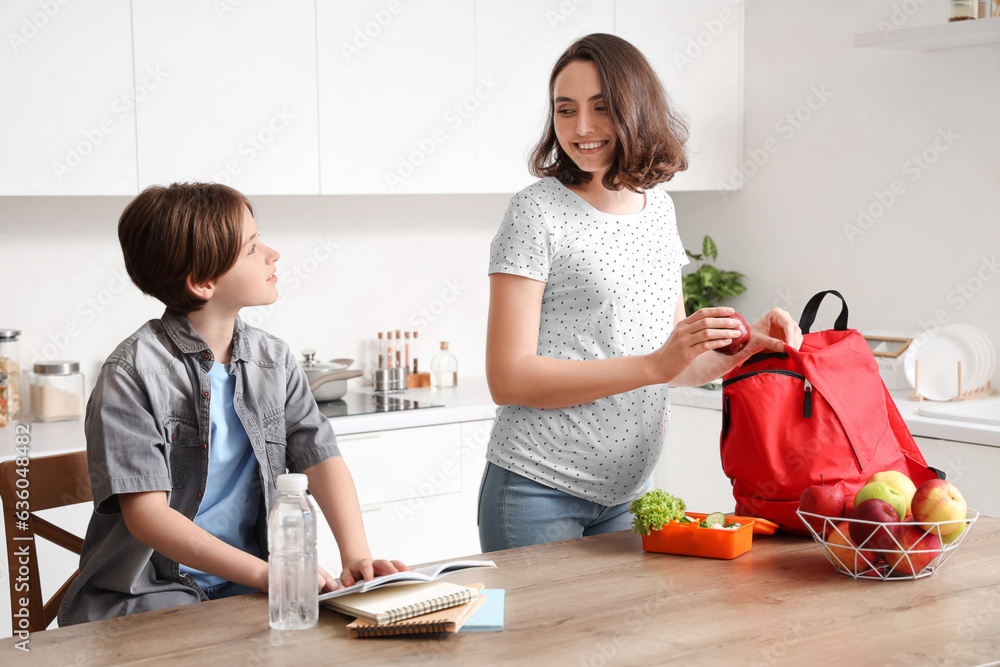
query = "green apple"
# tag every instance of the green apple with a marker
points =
(883, 491)
(951, 537)
(898, 481)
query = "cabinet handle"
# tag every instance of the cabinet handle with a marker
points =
(357, 436)
(378, 507)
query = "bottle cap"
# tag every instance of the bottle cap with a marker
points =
(293, 482)
(444, 345)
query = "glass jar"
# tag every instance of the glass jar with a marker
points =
(444, 369)
(3, 399)
(55, 391)
(962, 10)
(10, 363)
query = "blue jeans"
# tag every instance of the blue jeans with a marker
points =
(515, 511)
(227, 589)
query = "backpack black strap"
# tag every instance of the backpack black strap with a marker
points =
(812, 308)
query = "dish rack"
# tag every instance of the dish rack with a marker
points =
(859, 566)
(984, 391)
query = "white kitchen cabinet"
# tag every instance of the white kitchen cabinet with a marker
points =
(696, 48)
(68, 115)
(691, 466)
(235, 94)
(970, 467)
(418, 490)
(398, 96)
(517, 43)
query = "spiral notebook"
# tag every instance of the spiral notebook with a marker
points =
(402, 601)
(445, 620)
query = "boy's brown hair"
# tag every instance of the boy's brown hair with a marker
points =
(169, 233)
(650, 135)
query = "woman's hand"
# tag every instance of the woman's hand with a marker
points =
(772, 332)
(707, 329)
(366, 568)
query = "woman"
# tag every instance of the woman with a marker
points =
(585, 284)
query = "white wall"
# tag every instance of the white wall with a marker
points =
(786, 229)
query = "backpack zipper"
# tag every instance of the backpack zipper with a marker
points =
(800, 376)
(807, 386)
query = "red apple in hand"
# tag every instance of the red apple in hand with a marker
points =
(913, 540)
(823, 500)
(738, 343)
(876, 535)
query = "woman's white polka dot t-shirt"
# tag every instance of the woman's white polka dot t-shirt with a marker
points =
(611, 288)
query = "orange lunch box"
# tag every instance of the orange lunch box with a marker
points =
(688, 539)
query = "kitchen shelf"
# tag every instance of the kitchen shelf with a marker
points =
(934, 37)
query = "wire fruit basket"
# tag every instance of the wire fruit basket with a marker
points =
(892, 551)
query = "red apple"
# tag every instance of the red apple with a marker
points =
(939, 500)
(845, 552)
(879, 534)
(738, 343)
(922, 548)
(822, 500)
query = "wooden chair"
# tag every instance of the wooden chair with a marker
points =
(52, 481)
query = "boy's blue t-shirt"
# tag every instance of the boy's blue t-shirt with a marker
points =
(230, 506)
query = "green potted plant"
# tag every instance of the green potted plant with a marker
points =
(708, 285)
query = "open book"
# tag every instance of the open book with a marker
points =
(429, 573)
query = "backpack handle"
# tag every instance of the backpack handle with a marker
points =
(812, 308)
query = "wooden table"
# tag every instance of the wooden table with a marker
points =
(601, 601)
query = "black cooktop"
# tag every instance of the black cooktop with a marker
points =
(366, 404)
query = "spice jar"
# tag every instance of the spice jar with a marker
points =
(10, 363)
(55, 391)
(962, 10)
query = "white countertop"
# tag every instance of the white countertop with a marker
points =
(471, 401)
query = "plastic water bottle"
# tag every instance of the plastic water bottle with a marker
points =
(293, 589)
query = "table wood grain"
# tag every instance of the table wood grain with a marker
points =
(601, 601)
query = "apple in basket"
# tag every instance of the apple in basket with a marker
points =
(822, 500)
(884, 492)
(880, 534)
(913, 539)
(898, 481)
(740, 341)
(939, 500)
(846, 553)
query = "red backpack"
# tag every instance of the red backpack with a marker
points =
(822, 409)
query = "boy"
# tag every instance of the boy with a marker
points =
(194, 416)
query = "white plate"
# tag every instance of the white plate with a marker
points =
(991, 354)
(938, 352)
(982, 358)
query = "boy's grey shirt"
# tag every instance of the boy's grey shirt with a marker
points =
(148, 428)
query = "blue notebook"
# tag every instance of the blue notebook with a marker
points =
(489, 617)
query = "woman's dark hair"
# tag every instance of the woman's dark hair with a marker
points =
(650, 135)
(169, 233)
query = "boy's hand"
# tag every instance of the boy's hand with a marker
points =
(367, 569)
(326, 581)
